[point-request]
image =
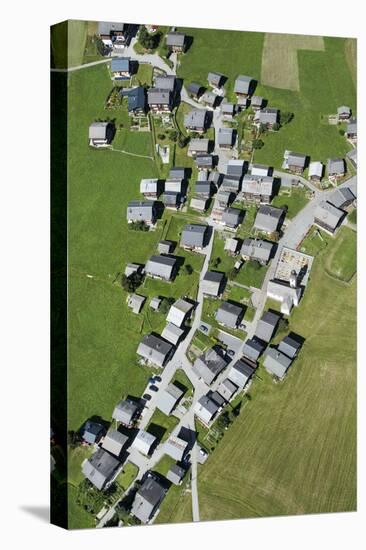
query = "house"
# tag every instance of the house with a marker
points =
(209, 99)
(175, 474)
(205, 409)
(121, 68)
(140, 211)
(267, 116)
(217, 398)
(149, 188)
(110, 32)
(235, 167)
(135, 302)
(171, 199)
(231, 217)
(344, 113)
(256, 249)
(125, 412)
(169, 398)
(176, 447)
(227, 389)
(316, 169)
(159, 100)
(267, 325)
(226, 138)
(229, 315)
(212, 283)
(203, 188)
(114, 442)
(166, 82)
(143, 442)
(177, 173)
(136, 100)
(165, 247)
(256, 102)
(257, 189)
(241, 372)
(174, 185)
(252, 349)
(228, 110)
(155, 303)
(336, 168)
(204, 162)
(276, 363)
(341, 197)
(268, 218)
(215, 80)
(196, 120)
(148, 499)
(243, 86)
(224, 198)
(194, 236)
(100, 468)
(232, 246)
(199, 203)
(198, 146)
(230, 183)
(194, 90)
(352, 157)
(260, 170)
(351, 131)
(172, 334)
(209, 365)
(202, 175)
(161, 267)
(101, 134)
(176, 41)
(289, 346)
(214, 178)
(295, 162)
(91, 432)
(287, 293)
(155, 350)
(328, 217)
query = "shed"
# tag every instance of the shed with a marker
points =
(155, 349)
(135, 302)
(172, 334)
(143, 442)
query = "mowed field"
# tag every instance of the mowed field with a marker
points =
(292, 450)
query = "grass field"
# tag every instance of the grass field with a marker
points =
(127, 475)
(295, 202)
(68, 41)
(161, 425)
(305, 463)
(341, 262)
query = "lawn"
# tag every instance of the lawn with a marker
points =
(181, 379)
(78, 518)
(352, 217)
(68, 41)
(300, 434)
(127, 475)
(161, 425)
(251, 274)
(341, 262)
(294, 202)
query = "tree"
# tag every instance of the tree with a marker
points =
(138, 226)
(341, 132)
(173, 135)
(161, 136)
(188, 269)
(132, 282)
(73, 439)
(182, 141)
(233, 273)
(255, 265)
(223, 421)
(286, 117)
(283, 325)
(262, 129)
(276, 126)
(165, 305)
(216, 262)
(257, 144)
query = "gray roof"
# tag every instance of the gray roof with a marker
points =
(135, 97)
(289, 346)
(352, 126)
(204, 160)
(267, 325)
(193, 235)
(231, 217)
(165, 82)
(195, 118)
(344, 110)
(135, 302)
(120, 64)
(172, 333)
(235, 167)
(214, 78)
(148, 186)
(283, 292)
(199, 145)
(296, 159)
(175, 39)
(158, 96)
(98, 130)
(100, 468)
(240, 373)
(106, 27)
(169, 398)
(257, 249)
(224, 197)
(267, 116)
(209, 98)
(252, 349)
(336, 166)
(164, 247)
(227, 388)
(212, 282)
(242, 84)
(91, 431)
(206, 408)
(141, 211)
(114, 442)
(143, 441)
(229, 314)
(227, 108)
(161, 266)
(203, 188)
(255, 167)
(175, 185)
(328, 214)
(147, 499)
(268, 218)
(257, 185)
(256, 101)
(177, 172)
(175, 447)
(124, 411)
(341, 197)
(179, 311)
(171, 198)
(199, 203)
(154, 349)
(276, 362)
(231, 244)
(226, 136)
(209, 365)
(352, 156)
(194, 88)
(231, 183)
(315, 169)
(175, 474)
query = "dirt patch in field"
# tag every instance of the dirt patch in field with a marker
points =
(279, 63)
(350, 48)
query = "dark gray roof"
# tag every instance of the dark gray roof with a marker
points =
(267, 325)
(217, 398)
(204, 160)
(276, 362)
(175, 474)
(203, 188)
(336, 166)
(296, 159)
(161, 266)
(227, 388)
(231, 183)
(175, 39)
(195, 118)
(229, 314)
(147, 499)
(193, 235)
(252, 349)
(212, 282)
(209, 365)
(154, 349)
(328, 214)
(352, 126)
(91, 431)
(289, 346)
(231, 217)
(158, 96)
(100, 468)
(106, 27)
(206, 408)
(194, 88)
(341, 197)
(268, 218)
(136, 98)
(242, 84)
(235, 167)
(267, 116)
(241, 372)
(257, 249)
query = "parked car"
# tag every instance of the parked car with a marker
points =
(153, 388)
(231, 352)
(157, 378)
(151, 380)
(146, 396)
(203, 328)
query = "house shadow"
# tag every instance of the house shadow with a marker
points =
(158, 432)
(134, 66)
(189, 436)
(188, 43)
(209, 119)
(159, 209)
(276, 186)
(299, 339)
(98, 420)
(252, 86)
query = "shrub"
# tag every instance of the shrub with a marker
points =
(257, 144)
(276, 126)
(286, 117)
(161, 136)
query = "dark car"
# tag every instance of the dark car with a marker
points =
(153, 388)
(203, 328)
(151, 380)
(146, 396)
(157, 378)
(231, 352)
